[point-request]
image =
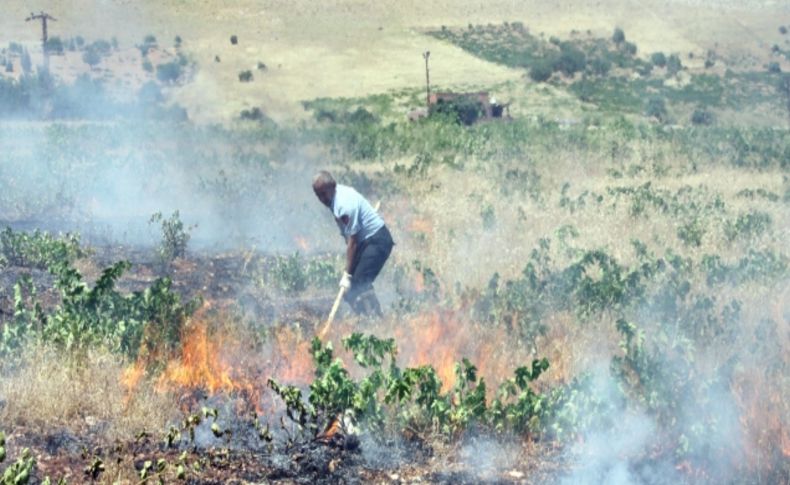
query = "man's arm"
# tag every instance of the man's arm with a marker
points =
(351, 250)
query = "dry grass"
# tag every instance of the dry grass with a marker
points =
(81, 393)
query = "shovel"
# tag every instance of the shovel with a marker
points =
(338, 299)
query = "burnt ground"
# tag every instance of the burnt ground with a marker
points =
(341, 460)
(242, 457)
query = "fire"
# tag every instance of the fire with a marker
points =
(217, 358)
(443, 338)
(201, 366)
(302, 243)
(424, 226)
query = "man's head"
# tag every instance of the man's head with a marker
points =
(324, 187)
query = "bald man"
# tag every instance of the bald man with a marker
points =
(368, 241)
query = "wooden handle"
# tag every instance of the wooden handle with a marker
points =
(331, 317)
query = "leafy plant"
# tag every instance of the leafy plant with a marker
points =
(175, 236)
(19, 472)
(392, 397)
(38, 249)
(148, 321)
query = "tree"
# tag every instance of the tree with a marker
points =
(702, 116)
(658, 59)
(674, 65)
(91, 57)
(618, 36)
(169, 72)
(245, 76)
(656, 108)
(541, 70)
(27, 64)
(571, 60)
(54, 45)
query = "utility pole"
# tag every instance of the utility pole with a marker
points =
(426, 55)
(43, 16)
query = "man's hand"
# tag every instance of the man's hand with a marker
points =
(345, 281)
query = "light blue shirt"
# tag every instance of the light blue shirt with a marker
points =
(354, 214)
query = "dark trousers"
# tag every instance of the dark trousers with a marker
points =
(369, 258)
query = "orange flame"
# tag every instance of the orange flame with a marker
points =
(200, 365)
(302, 242)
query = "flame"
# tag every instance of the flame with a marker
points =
(419, 282)
(200, 365)
(301, 241)
(443, 338)
(423, 225)
(761, 406)
(217, 359)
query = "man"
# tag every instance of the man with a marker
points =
(368, 241)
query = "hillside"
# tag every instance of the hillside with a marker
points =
(352, 48)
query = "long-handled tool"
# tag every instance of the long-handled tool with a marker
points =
(338, 299)
(332, 313)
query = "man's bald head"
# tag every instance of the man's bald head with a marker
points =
(324, 187)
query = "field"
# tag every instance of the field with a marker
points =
(594, 289)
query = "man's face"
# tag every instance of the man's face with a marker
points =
(325, 194)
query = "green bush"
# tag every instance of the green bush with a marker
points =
(91, 57)
(656, 108)
(658, 59)
(175, 236)
(571, 60)
(388, 397)
(463, 110)
(618, 37)
(148, 321)
(702, 116)
(37, 249)
(674, 65)
(541, 70)
(245, 76)
(774, 68)
(54, 45)
(169, 72)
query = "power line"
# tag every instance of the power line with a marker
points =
(44, 17)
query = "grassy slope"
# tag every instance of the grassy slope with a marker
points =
(351, 48)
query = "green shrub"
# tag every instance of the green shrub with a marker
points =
(169, 72)
(658, 59)
(387, 397)
(618, 37)
(656, 108)
(148, 321)
(702, 116)
(175, 236)
(748, 225)
(91, 57)
(54, 45)
(463, 110)
(245, 76)
(600, 67)
(37, 249)
(774, 68)
(674, 65)
(570, 61)
(541, 70)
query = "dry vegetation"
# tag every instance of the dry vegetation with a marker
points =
(642, 254)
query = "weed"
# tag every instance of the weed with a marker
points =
(175, 236)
